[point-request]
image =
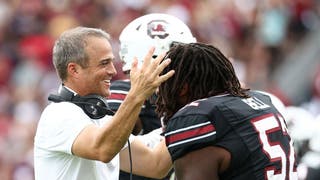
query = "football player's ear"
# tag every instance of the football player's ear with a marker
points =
(184, 90)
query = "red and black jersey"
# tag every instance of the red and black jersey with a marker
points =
(251, 129)
(119, 90)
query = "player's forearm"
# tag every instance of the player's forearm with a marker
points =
(164, 163)
(154, 163)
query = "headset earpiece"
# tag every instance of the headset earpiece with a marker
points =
(93, 105)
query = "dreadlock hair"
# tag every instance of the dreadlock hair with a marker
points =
(205, 70)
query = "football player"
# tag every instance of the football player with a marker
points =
(216, 129)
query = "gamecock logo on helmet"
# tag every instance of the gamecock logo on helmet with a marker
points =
(158, 28)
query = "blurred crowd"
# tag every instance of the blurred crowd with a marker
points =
(256, 34)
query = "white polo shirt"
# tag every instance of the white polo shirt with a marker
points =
(59, 125)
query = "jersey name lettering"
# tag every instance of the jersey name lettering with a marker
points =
(255, 103)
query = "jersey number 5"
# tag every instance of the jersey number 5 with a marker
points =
(274, 150)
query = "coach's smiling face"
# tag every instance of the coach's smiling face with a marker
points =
(96, 76)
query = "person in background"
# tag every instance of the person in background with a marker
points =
(77, 136)
(158, 30)
(216, 129)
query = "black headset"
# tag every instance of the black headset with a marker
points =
(93, 105)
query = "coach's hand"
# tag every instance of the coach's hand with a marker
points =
(145, 80)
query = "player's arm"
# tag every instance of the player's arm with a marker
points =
(149, 162)
(205, 163)
(190, 139)
(103, 143)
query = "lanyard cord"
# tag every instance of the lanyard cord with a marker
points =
(130, 158)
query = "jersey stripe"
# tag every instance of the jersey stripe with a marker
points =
(117, 96)
(114, 101)
(186, 128)
(192, 139)
(189, 132)
(118, 91)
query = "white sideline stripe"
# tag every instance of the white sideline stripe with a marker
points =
(186, 128)
(192, 139)
(119, 91)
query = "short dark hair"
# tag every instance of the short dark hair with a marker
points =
(205, 70)
(70, 47)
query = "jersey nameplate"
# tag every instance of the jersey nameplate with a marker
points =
(255, 103)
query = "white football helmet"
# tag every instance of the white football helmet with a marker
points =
(158, 30)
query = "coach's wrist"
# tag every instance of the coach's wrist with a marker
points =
(135, 98)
